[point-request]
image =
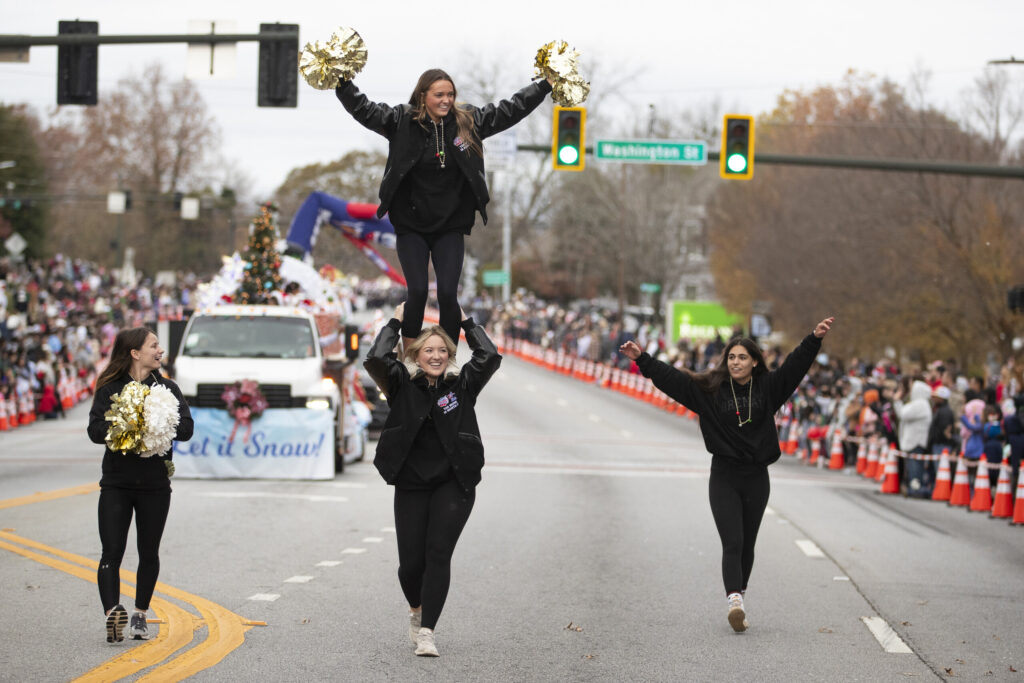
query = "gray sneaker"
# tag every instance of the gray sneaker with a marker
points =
(414, 625)
(137, 629)
(737, 615)
(425, 643)
(115, 621)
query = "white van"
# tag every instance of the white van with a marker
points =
(279, 347)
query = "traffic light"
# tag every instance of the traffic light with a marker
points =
(567, 142)
(351, 342)
(736, 160)
(279, 67)
(76, 65)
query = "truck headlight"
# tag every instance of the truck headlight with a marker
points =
(318, 403)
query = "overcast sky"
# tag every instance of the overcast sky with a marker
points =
(740, 53)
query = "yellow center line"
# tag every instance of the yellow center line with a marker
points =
(225, 629)
(43, 496)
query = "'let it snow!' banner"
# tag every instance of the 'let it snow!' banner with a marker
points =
(282, 444)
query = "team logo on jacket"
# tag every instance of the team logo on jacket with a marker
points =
(448, 403)
(461, 144)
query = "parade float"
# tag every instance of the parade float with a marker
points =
(262, 363)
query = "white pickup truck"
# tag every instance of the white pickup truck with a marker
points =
(280, 348)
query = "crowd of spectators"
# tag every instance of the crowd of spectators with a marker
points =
(917, 410)
(58, 319)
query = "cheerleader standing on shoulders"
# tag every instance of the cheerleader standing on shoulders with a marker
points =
(736, 402)
(132, 484)
(430, 451)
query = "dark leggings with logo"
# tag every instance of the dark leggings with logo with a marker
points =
(428, 524)
(415, 251)
(738, 499)
(115, 513)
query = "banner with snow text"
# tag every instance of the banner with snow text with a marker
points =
(281, 444)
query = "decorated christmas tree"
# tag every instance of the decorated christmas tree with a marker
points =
(262, 274)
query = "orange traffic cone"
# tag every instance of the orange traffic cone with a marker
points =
(836, 461)
(943, 481)
(815, 451)
(871, 469)
(1018, 504)
(1003, 506)
(982, 500)
(960, 496)
(883, 460)
(862, 457)
(793, 439)
(4, 426)
(891, 483)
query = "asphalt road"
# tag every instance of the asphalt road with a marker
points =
(591, 555)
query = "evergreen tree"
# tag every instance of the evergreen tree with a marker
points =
(262, 269)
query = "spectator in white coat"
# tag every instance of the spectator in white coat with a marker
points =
(915, 416)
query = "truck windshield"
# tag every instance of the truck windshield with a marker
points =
(218, 336)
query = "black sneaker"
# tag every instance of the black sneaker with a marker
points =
(116, 620)
(137, 630)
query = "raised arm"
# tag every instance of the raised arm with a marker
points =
(496, 117)
(378, 117)
(381, 360)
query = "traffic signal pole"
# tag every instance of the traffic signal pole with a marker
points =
(861, 163)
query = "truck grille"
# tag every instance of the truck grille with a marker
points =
(277, 395)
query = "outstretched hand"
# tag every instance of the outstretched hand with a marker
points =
(630, 350)
(822, 328)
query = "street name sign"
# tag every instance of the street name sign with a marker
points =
(493, 278)
(685, 152)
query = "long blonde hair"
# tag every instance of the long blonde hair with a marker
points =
(463, 119)
(409, 354)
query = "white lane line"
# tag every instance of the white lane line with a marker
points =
(299, 579)
(840, 578)
(353, 551)
(263, 494)
(885, 636)
(561, 402)
(593, 418)
(769, 510)
(344, 484)
(809, 547)
(388, 529)
(328, 563)
(372, 539)
(265, 597)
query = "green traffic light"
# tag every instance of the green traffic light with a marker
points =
(568, 155)
(737, 163)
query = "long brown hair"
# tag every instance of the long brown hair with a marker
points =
(463, 119)
(125, 342)
(710, 380)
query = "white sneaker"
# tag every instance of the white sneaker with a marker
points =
(425, 643)
(737, 615)
(414, 625)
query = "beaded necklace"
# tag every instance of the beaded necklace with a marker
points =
(439, 143)
(750, 406)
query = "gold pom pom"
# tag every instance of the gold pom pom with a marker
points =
(324, 65)
(559, 63)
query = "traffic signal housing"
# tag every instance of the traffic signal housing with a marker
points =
(736, 160)
(351, 342)
(567, 140)
(279, 71)
(77, 65)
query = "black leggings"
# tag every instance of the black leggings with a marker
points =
(115, 512)
(428, 524)
(415, 250)
(738, 501)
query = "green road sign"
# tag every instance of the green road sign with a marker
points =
(698, 320)
(685, 152)
(650, 287)
(493, 278)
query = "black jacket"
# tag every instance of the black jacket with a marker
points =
(128, 470)
(410, 400)
(405, 143)
(756, 443)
